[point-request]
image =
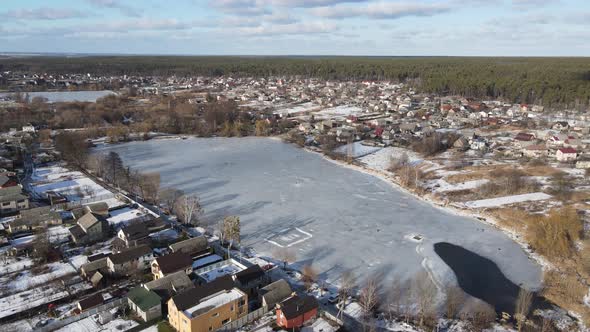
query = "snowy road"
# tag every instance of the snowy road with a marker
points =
(333, 217)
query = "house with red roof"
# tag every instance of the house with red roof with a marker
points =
(566, 154)
(296, 310)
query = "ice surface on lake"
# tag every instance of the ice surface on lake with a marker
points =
(356, 221)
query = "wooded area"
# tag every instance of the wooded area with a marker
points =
(549, 81)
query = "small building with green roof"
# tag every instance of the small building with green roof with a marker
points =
(145, 303)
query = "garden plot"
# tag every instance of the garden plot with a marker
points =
(31, 298)
(10, 264)
(441, 185)
(126, 215)
(74, 185)
(381, 159)
(89, 324)
(26, 279)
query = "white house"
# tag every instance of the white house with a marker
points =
(566, 154)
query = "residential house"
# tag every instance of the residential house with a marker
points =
(130, 260)
(7, 181)
(561, 125)
(251, 280)
(174, 262)
(207, 307)
(535, 151)
(90, 228)
(566, 154)
(194, 247)
(91, 301)
(170, 285)
(145, 303)
(34, 218)
(296, 310)
(95, 271)
(12, 200)
(274, 293)
(133, 235)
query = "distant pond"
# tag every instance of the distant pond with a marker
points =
(65, 96)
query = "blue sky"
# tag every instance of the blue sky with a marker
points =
(298, 27)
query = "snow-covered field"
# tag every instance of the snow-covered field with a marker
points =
(358, 149)
(89, 324)
(72, 184)
(125, 215)
(30, 298)
(505, 200)
(340, 112)
(381, 160)
(26, 280)
(356, 220)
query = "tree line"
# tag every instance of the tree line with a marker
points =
(563, 82)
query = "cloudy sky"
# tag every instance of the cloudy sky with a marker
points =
(298, 27)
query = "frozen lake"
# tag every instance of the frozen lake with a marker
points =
(66, 96)
(333, 217)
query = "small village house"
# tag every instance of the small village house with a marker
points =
(145, 303)
(566, 155)
(274, 293)
(91, 227)
(295, 311)
(130, 261)
(12, 200)
(174, 262)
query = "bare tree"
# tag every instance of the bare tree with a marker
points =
(169, 197)
(368, 296)
(479, 314)
(424, 292)
(188, 208)
(454, 299)
(149, 185)
(285, 255)
(42, 245)
(229, 230)
(309, 276)
(347, 284)
(524, 302)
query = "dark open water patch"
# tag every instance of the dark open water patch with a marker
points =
(481, 278)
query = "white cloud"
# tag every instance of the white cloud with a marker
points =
(43, 14)
(119, 5)
(383, 10)
(303, 28)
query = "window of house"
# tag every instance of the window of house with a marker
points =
(215, 314)
(231, 308)
(225, 321)
(210, 328)
(6, 204)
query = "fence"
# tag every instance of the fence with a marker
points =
(73, 204)
(63, 322)
(249, 318)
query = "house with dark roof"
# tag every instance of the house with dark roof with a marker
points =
(251, 279)
(295, 311)
(194, 247)
(207, 307)
(12, 200)
(274, 293)
(90, 302)
(145, 303)
(134, 234)
(130, 260)
(34, 218)
(170, 285)
(167, 264)
(90, 228)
